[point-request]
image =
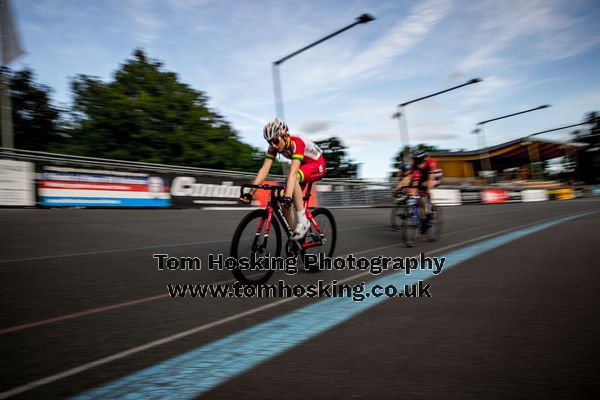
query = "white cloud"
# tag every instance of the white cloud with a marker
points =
(429, 136)
(147, 25)
(488, 91)
(319, 71)
(315, 126)
(534, 30)
(259, 121)
(399, 40)
(187, 6)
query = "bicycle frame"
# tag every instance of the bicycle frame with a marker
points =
(415, 215)
(415, 212)
(273, 208)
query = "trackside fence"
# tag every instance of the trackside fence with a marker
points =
(40, 179)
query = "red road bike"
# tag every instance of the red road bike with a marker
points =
(259, 236)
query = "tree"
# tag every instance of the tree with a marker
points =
(34, 118)
(146, 114)
(588, 158)
(337, 163)
(593, 118)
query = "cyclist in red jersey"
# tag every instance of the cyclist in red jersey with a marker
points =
(423, 176)
(308, 165)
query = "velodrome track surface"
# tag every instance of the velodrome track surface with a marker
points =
(83, 306)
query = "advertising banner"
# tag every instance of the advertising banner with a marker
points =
(470, 196)
(514, 196)
(208, 191)
(530, 195)
(493, 196)
(79, 187)
(17, 185)
(561, 194)
(446, 197)
(191, 191)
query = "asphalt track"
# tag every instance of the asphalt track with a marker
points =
(84, 307)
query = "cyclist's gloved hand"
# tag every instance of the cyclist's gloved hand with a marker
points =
(286, 201)
(246, 198)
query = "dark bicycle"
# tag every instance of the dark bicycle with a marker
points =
(398, 211)
(259, 235)
(413, 221)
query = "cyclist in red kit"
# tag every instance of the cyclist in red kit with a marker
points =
(423, 176)
(308, 165)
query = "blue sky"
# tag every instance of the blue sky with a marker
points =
(528, 53)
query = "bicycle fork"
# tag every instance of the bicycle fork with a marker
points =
(262, 247)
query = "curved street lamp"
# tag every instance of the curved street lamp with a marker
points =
(362, 19)
(402, 112)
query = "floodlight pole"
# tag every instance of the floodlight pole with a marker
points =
(363, 19)
(401, 112)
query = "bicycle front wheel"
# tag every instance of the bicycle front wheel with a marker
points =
(410, 226)
(251, 242)
(435, 224)
(396, 217)
(326, 223)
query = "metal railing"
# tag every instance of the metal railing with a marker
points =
(56, 158)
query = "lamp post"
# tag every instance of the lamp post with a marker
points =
(480, 146)
(481, 131)
(10, 49)
(363, 19)
(558, 129)
(401, 112)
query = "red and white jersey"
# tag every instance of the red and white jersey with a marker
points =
(420, 176)
(298, 148)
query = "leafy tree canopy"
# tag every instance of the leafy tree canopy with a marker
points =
(338, 164)
(34, 118)
(146, 114)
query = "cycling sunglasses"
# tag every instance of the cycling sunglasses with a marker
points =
(274, 141)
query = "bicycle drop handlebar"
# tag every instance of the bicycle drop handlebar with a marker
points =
(273, 188)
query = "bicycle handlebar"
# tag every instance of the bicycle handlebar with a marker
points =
(266, 187)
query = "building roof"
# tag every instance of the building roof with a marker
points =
(514, 153)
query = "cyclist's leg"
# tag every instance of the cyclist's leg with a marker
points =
(297, 196)
(289, 212)
(307, 173)
(426, 204)
(421, 203)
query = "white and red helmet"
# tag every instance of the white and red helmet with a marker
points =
(275, 129)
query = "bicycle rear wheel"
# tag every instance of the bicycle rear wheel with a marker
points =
(249, 242)
(410, 226)
(326, 223)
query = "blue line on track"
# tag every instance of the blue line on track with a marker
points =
(193, 373)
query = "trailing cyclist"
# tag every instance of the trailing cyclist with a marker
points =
(308, 165)
(423, 175)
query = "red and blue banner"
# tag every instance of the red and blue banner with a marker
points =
(78, 187)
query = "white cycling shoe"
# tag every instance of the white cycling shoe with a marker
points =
(301, 229)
